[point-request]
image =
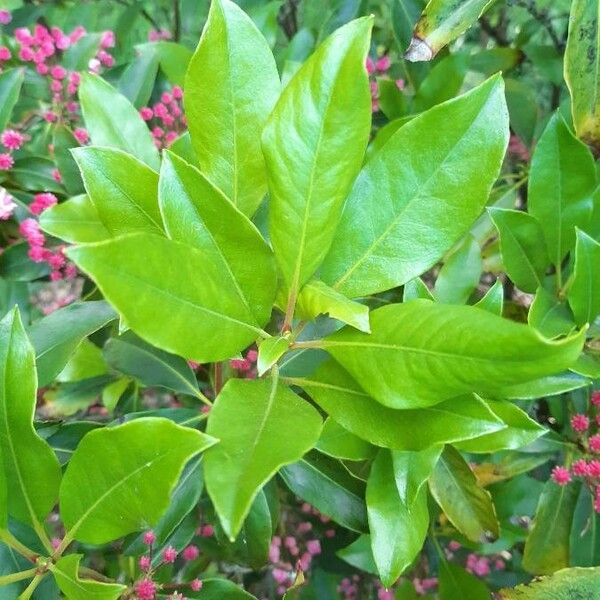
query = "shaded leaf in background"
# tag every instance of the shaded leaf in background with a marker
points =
(584, 292)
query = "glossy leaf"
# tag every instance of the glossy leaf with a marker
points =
(422, 353)
(468, 506)
(135, 465)
(113, 121)
(459, 274)
(398, 530)
(137, 80)
(339, 443)
(231, 87)
(63, 141)
(584, 293)
(174, 60)
(406, 211)
(442, 83)
(493, 301)
(582, 63)
(340, 396)
(566, 583)
(126, 268)
(76, 221)
(311, 159)
(441, 22)
(66, 573)
(270, 351)
(411, 470)
(317, 298)
(29, 470)
(523, 248)
(547, 546)
(197, 213)
(122, 189)
(562, 180)
(405, 14)
(11, 81)
(550, 316)
(359, 554)
(56, 336)
(248, 418)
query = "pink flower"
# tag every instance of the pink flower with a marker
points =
(81, 135)
(191, 553)
(12, 139)
(171, 137)
(145, 563)
(36, 254)
(580, 423)
(196, 585)
(105, 58)
(149, 538)
(370, 65)
(596, 398)
(41, 68)
(594, 468)
(207, 531)
(177, 92)
(580, 468)
(6, 162)
(561, 475)
(5, 17)
(145, 589)
(7, 205)
(58, 72)
(41, 202)
(594, 442)
(108, 39)
(94, 65)
(166, 98)
(50, 116)
(56, 85)
(252, 355)
(56, 175)
(281, 576)
(314, 547)
(26, 54)
(4, 53)
(63, 42)
(146, 113)
(170, 555)
(454, 545)
(23, 36)
(77, 34)
(70, 271)
(383, 64)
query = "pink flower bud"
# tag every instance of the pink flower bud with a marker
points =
(170, 555)
(6, 162)
(149, 538)
(196, 585)
(561, 475)
(580, 423)
(190, 553)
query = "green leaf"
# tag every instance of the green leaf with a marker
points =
(582, 64)
(311, 159)
(135, 465)
(197, 213)
(522, 246)
(411, 470)
(456, 584)
(416, 288)
(11, 81)
(270, 351)
(132, 356)
(56, 337)
(340, 396)
(585, 532)
(566, 584)
(468, 506)
(338, 442)
(400, 196)
(545, 386)
(398, 530)
(15, 264)
(442, 83)
(326, 484)
(547, 546)
(174, 60)
(549, 316)
(359, 554)
(137, 80)
(405, 14)
(442, 22)
(317, 298)
(63, 140)
(87, 361)
(401, 362)
(66, 573)
(250, 419)
(584, 292)
(562, 180)
(219, 589)
(459, 274)
(521, 430)
(29, 469)
(231, 87)
(113, 121)
(122, 189)
(493, 301)
(76, 221)
(161, 309)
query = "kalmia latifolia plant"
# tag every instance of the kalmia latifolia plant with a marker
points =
(310, 312)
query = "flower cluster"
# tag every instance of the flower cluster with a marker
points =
(246, 367)
(7, 205)
(378, 68)
(165, 118)
(11, 140)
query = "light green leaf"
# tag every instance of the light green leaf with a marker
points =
(219, 589)
(405, 14)
(456, 584)
(415, 203)
(76, 221)
(550, 316)
(584, 293)
(317, 298)
(231, 87)
(422, 353)
(11, 81)
(468, 506)
(326, 484)
(161, 308)
(196, 213)
(522, 246)
(153, 367)
(359, 554)
(112, 393)
(311, 158)
(459, 274)
(66, 573)
(113, 121)
(340, 396)
(547, 546)
(29, 469)
(63, 141)
(582, 64)
(339, 443)
(56, 337)
(411, 470)
(545, 386)
(137, 79)
(398, 530)
(442, 83)
(174, 60)
(562, 180)
(521, 430)
(87, 361)
(135, 465)
(493, 301)
(250, 419)
(566, 584)
(442, 22)
(123, 190)
(270, 351)
(416, 288)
